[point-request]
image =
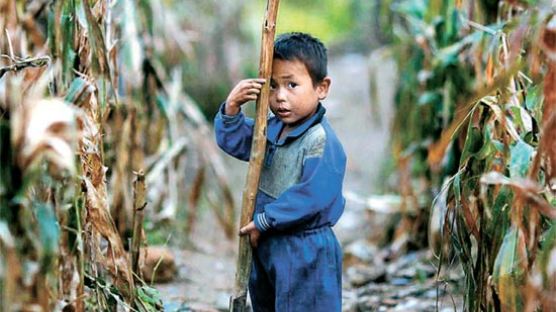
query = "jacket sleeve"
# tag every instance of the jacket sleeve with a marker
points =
(320, 187)
(234, 134)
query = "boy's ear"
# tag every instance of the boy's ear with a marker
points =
(323, 87)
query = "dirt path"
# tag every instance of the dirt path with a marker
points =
(364, 132)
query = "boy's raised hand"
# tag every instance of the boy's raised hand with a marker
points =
(246, 90)
(254, 234)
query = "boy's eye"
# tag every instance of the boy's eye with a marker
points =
(292, 85)
(272, 85)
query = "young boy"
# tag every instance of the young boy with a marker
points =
(297, 260)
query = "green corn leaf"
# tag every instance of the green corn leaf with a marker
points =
(510, 269)
(51, 32)
(49, 233)
(522, 120)
(473, 141)
(534, 100)
(103, 92)
(145, 8)
(162, 104)
(429, 97)
(521, 155)
(68, 30)
(80, 13)
(149, 295)
(498, 216)
(96, 40)
(414, 8)
(489, 148)
(449, 55)
(76, 89)
(131, 55)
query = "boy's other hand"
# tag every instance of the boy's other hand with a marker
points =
(245, 91)
(253, 233)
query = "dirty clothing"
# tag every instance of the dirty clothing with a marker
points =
(297, 265)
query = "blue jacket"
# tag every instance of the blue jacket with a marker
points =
(302, 176)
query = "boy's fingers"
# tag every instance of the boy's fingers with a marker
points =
(244, 230)
(248, 95)
(254, 85)
(247, 229)
(258, 83)
(251, 91)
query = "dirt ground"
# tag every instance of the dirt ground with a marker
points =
(206, 272)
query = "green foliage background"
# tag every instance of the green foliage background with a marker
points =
(328, 20)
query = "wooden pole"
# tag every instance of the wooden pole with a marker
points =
(239, 298)
(139, 204)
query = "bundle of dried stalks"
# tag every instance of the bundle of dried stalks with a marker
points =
(33, 140)
(478, 95)
(81, 78)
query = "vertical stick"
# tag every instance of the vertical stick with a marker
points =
(193, 201)
(80, 252)
(239, 298)
(138, 213)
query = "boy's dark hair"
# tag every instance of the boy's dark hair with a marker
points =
(304, 48)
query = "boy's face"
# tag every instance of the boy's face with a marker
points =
(293, 97)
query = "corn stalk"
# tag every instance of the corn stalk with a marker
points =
(484, 78)
(78, 97)
(139, 205)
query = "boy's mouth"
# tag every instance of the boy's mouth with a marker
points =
(282, 112)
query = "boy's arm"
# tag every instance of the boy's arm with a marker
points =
(234, 134)
(319, 187)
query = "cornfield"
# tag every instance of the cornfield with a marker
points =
(99, 139)
(93, 125)
(478, 95)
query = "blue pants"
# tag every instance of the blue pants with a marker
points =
(297, 272)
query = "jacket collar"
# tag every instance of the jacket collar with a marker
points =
(275, 126)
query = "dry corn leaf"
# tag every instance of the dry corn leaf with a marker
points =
(45, 129)
(116, 259)
(549, 136)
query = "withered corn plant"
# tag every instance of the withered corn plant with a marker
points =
(30, 231)
(84, 102)
(478, 93)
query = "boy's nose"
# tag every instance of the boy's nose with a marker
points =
(280, 95)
